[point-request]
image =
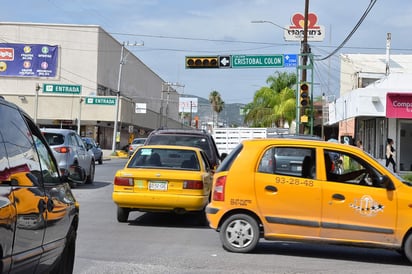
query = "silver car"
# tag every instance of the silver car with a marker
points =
(71, 154)
(137, 142)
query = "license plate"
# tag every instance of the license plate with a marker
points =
(158, 185)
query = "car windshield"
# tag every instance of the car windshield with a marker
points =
(54, 139)
(165, 158)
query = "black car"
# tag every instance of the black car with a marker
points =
(187, 137)
(38, 213)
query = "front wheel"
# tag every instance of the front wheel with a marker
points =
(240, 233)
(407, 248)
(65, 264)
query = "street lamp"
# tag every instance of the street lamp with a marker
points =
(269, 22)
(122, 61)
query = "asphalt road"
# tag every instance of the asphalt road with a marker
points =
(166, 243)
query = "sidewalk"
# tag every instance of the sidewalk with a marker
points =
(108, 154)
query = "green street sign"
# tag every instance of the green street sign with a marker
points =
(100, 101)
(66, 89)
(257, 61)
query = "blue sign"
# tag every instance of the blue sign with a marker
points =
(290, 60)
(28, 60)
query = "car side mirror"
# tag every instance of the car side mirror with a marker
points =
(385, 181)
(223, 156)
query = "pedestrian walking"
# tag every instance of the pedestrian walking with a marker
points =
(359, 144)
(390, 154)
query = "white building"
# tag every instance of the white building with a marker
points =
(87, 66)
(376, 104)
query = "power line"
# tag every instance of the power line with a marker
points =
(368, 9)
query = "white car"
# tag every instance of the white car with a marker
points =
(137, 142)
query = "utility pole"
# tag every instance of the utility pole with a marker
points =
(119, 79)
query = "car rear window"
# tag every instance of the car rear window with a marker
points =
(182, 140)
(53, 139)
(165, 158)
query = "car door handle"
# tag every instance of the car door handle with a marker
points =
(271, 188)
(338, 197)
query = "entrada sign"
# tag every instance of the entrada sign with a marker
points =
(100, 101)
(66, 89)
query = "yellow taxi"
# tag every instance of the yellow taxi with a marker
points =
(163, 178)
(309, 190)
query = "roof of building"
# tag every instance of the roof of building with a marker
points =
(376, 63)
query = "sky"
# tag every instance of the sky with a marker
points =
(174, 29)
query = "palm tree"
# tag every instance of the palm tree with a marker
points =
(273, 105)
(217, 104)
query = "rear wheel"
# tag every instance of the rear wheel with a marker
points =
(122, 214)
(240, 233)
(90, 177)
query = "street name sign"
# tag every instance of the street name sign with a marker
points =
(257, 61)
(100, 101)
(58, 88)
(290, 60)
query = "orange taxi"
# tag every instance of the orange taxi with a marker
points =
(309, 190)
(163, 178)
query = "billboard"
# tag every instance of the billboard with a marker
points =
(28, 60)
(399, 105)
(187, 104)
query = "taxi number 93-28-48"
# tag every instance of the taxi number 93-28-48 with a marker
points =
(294, 181)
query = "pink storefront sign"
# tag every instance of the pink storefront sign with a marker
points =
(399, 105)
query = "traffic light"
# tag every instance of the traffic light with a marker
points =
(198, 62)
(304, 94)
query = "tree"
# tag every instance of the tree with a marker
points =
(217, 104)
(273, 105)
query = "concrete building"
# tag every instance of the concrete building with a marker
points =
(81, 90)
(376, 103)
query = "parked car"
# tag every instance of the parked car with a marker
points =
(163, 178)
(95, 148)
(38, 213)
(137, 142)
(71, 154)
(290, 190)
(187, 137)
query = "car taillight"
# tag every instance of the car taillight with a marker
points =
(62, 149)
(219, 189)
(192, 185)
(130, 148)
(122, 181)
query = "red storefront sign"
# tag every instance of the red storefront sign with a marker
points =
(399, 105)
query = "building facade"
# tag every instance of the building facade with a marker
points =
(92, 71)
(376, 104)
